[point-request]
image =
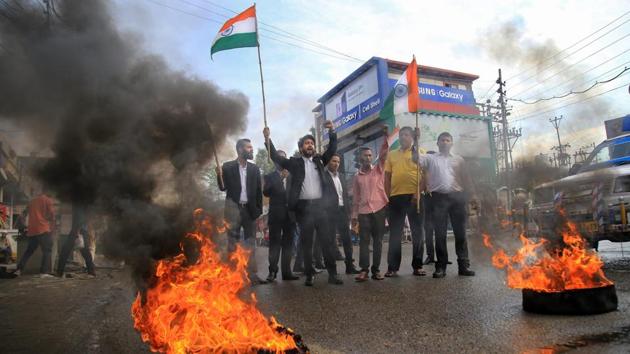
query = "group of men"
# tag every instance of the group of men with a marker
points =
(308, 194)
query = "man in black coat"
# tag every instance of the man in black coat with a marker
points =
(306, 198)
(281, 222)
(242, 183)
(338, 207)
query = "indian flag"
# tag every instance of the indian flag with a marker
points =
(237, 32)
(404, 98)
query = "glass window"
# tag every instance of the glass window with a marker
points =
(543, 195)
(609, 152)
(622, 184)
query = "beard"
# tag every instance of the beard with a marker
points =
(247, 155)
(308, 153)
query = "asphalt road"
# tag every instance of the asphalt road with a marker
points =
(408, 314)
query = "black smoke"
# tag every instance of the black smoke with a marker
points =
(121, 124)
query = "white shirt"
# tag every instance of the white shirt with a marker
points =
(338, 187)
(312, 186)
(444, 172)
(243, 172)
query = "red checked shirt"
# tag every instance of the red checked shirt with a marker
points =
(369, 187)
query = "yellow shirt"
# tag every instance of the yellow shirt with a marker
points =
(404, 172)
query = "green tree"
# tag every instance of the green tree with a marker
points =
(263, 162)
(209, 176)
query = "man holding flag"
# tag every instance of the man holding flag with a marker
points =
(402, 175)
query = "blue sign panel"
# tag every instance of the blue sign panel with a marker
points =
(363, 110)
(442, 94)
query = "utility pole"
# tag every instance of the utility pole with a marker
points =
(562, 156)
(508, 178)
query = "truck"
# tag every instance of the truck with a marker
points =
(595, 195)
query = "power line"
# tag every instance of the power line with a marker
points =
(569, 47)
(573, 92)
(261, 35)
(574, 64)
(278, 32)
(581, 75)
(558, 53)
(537, 113)
(570, 54)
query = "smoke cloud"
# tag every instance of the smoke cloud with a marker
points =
(129, 135)
(507, 43)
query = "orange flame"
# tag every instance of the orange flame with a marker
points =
(534, 267)
(199, 308)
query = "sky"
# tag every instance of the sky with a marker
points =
(307, 47)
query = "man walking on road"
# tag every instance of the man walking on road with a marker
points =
(243, 202)
(368, 209)
(41, 221)
(401, 184)
(447, 185)
(306, 199)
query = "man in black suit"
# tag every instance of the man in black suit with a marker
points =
(306, 198)
(338, 205)
(281, 222)
(243, 201)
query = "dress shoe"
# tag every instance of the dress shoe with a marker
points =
(317, 271)
(429, 260)
(255, 280)
(439, 273)
(466, 272)
(320, 266)
(377, 276)
(290, 277)
(272, 276)
(310, 280)
(363, 276)
(391, 274)
(335, 279)
(350, 269)
(419, 272)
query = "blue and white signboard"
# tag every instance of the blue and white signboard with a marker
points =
(442, 94)
(359, 100)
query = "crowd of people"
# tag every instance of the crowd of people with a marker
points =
(309, 197)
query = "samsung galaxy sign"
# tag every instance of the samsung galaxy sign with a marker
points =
(443, 94)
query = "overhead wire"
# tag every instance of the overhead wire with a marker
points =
(537, 113)
(485, 96)
(574, 64)
(569, 47)
(261, 35)
(277, 30)
(581, 75)
(572, 92)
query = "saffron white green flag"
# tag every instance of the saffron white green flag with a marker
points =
(237, 32)
(404, 98)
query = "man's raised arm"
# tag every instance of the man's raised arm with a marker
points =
(332, 143)
(280, 160)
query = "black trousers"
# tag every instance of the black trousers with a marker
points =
(340, 223)
(401, 206)
(443, 206)
(238, 217)
(311, 218)
(46, 242)
(68, 246)
(281, 241)
(371, 226)
(428, 229)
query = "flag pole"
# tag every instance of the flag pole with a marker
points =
(262, 85)
(417, 165)
(214, 150)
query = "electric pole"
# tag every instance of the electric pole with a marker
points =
(506, 149)
(562, 156)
